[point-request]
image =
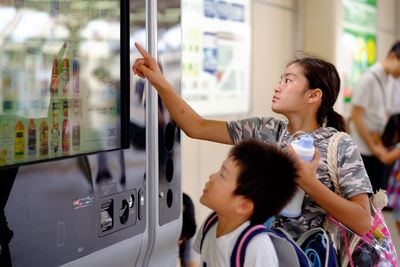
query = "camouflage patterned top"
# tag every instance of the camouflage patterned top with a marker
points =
(353, 178)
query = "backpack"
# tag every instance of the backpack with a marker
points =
(288, 252)
(318, 248)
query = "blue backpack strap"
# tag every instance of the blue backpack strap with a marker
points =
(209, 222)
(239, 250)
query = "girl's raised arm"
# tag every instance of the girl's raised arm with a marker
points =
(185, 117)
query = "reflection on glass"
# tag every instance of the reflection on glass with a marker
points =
(137, 33)
(59, 79)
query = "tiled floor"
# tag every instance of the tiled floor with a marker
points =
(389, 218)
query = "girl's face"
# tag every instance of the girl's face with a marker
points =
(290, 94)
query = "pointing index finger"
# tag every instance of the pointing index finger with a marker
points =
(142, 51)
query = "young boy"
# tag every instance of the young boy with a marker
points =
(254, 183)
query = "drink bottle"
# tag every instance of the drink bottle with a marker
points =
(44, 139)
(65, 136)
(76, 127)
(65, 76)
(304, 147)
(19, 141)
(31, 137)
(54, 79)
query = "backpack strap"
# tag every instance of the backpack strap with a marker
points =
(209, 222)
(289, 254)
(239, 250)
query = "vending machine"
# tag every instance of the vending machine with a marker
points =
(89, 157)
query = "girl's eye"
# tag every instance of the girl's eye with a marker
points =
(287, 80)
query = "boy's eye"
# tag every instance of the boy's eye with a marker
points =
(287, 80)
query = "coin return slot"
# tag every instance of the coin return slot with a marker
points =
(124, 212)
(106, 215)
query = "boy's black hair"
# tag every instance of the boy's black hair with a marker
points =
(396, 49)
(266, 176)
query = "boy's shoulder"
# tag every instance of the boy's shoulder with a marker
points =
(274, 245)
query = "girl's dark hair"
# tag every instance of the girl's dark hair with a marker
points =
(188, 218)
(266, 177)
(323, 75)
(391, 134)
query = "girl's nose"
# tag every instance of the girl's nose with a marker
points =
(276, 88)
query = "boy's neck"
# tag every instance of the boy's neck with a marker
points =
(226, 225)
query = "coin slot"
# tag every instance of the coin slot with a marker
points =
(169, 170)
(169, 136)
(170, 198)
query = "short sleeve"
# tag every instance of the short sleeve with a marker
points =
(353, 178)
(363, 92)
(197, 239)
(261, 252)
(266, 129)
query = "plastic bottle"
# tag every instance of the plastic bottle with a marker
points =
(55, 133)
(5, 142)
(54, 79)
(75, 74)
(65, 129)
(304, 147)
(76, 127)
(65, 76)
(19, 141)
(31, 137)
(44, 139)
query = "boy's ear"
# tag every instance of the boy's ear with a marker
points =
(245, 207)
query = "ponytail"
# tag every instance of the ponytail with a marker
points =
(335, 120)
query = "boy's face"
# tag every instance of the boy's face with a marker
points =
(218, 192)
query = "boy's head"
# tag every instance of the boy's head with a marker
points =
(255, 174)
(393, 60)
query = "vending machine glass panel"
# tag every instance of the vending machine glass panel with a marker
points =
(62, 67)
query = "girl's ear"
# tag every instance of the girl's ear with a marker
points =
(315, 95)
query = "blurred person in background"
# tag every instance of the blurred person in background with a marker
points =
(391, 140)
(186, 256)
(370, 113)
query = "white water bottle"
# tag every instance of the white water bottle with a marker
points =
(304, 147)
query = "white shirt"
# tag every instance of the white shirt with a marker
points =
(393, 96)
(216, 252)
(371, 96)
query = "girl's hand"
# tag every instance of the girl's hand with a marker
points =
(147, 67)
(306, 171)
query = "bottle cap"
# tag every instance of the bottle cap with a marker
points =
(306, 141)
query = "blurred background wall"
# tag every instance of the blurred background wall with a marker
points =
(279, 29)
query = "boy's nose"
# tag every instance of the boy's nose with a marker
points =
(211, 177)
